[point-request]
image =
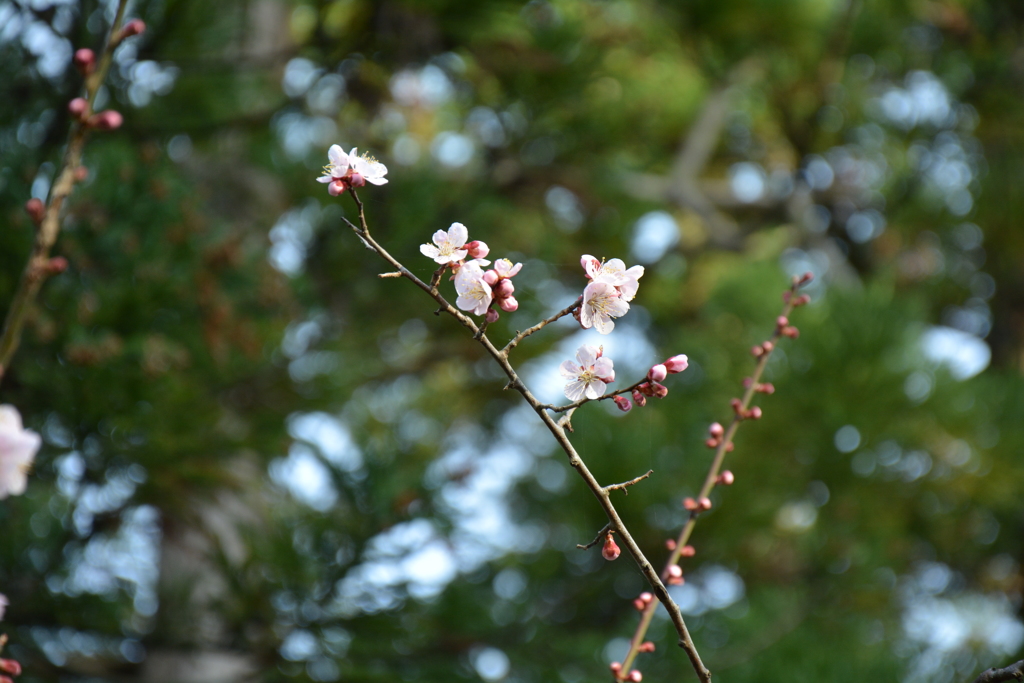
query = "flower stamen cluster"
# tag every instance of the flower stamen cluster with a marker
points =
(350, 170)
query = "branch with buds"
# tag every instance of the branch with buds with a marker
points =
(46, 216)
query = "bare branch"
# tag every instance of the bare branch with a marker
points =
(626, 484)
(1014, 672)
(543, 323)
(597, 539)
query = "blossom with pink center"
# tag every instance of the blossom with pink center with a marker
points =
(588, 374)
(346, 170)
(615, 273)
(504, 268)
(18, 448)
(474, 293)
(601, 303)
(449, 245)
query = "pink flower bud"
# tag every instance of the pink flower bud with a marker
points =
(712, 442)
(81, 174)
(635, 676)
(355, 179)
(509, 304)
(716, 430)
(675, 581)
(491, 277)
(658, 373)
(9, 666)
(670, 543)
(646, 389)
(737, 406)
(616, 667)
(705, 503)
(690, 504)
(639, 398)
(807, 277)
(85, 61)
(106, 120)
(504, 289)
(56, 265)
(133, 28)
(766, 388)
(677, 363)
(78, 107)
(492, 315)
(754, 413)
(675, 570)
(781, 321)
(337, 187)
(802, 300)
(610, 551)
(688, 551)
(36, 210)
(768, 346)
(790, 331)
(726, 478)
(756, 351)
(623, 403)
(477, 249)
(646, 597)
(639, 605)
(659, 390)
(646, 646)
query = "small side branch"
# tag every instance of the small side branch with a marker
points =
(543, 323)
(1014, 672)
(626, 484)
(597, 539)
(576, 404)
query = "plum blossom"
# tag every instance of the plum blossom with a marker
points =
(504, 268)
(450, 246)
(614, 272)
(475, 294)
(589, 375)
(601, 303)
(18, 448)
(351, 170)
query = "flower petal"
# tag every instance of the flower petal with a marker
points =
(568, 369)
(595, 389)
(586, 355)
(458, 234)
(574, 391)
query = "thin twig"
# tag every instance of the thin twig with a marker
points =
(1014, 672)
(36, 270)
(709, 483)
(597, 539)
(626, 484)
(615, 522)
(543, 323)
(604, 397)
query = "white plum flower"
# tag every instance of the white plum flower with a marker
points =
(504, 268)
(449, 245)
(588, 375)
(475, 294)
(18, 448)
(601, 303)
(351, 170)
(614, 272)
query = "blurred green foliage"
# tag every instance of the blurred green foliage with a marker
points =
(262, 462)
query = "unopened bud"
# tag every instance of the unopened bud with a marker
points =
(477, 249)
(610, 551)
(690, 504)
(737, 406)
(670, 543)
(9, 666)
(79, 107)
(688, 551)
(726, 478)
(646, 597)
(623, 403)
(639, 605)
(106, 120)
(705, 503)
(646, 389)
(504, 289)
(639, 398)
(712, 442)
(492, 315)
(768, 346)
(675, 570)
(646, 646)
(85, 61)
(81, 174)
(658, 373)
(781, 321)
(132, 28)
(337, 187)
(616, 667)
(807, 277)
(56, 265)
(635, 676)
(677, 363)
(716, 430)
(659, 390)
(802, 300)
(509, 304)
(754, 413)
(675, 581)
(791, 332)
(36, 210)
(756, 351)
(491, 277)
(355, 179)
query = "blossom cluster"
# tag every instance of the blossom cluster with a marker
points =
(607, 296)
(18, 448)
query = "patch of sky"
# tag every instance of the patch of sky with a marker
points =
(653, 235)
(962, 353)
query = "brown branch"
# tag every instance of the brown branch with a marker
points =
(597, 539)
(576, 404)
(603, 496)
(626, 484)
(709, 481)
(1014, 672)
(37, 268)
(520, 336)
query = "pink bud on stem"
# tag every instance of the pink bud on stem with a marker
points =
(509, 304)
(56, 265)
(85, 61)
(646, 646)
(690, 504)
(670, 543)
(610, 551)
(623, 404)
(716, 430)
(688, 551)
(635, 676)
(657, 373)
(477, 249)
(79, 108)
(639, 398)
(677, 363)
(36, 210)
(108, 120)
(616, 667)
(726, 478)
(132, 28)
(337, 187)
(704, 503)
(492, 315)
